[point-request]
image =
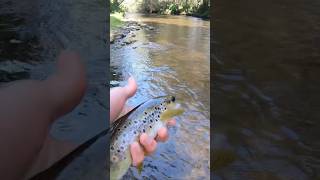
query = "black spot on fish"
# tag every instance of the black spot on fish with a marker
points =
(150, 126)
(118, 150)
(150, 120)
(119, 129)
(158, 116)
(156, 119)
(135, 122)
(129, 123)
(122, 147)
(144, 130)
(135, 132)
(165, 108)
(145, 113)
(144, 121)
(125, 126)
(152, 114)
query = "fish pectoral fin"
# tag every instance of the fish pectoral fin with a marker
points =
(139, 168)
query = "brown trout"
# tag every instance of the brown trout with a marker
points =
(148, 118)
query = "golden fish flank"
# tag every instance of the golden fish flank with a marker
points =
(147, 118)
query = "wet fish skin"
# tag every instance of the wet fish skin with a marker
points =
(148, 118)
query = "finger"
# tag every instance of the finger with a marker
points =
(131, 87)
(171, 122)
(67, 86)
(125, 110)
(148, 143)
(137, 153)
(162, 134)
(119, 96)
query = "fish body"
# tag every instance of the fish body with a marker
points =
(147, 118)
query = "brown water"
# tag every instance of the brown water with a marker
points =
(266, 90)
(171, 59)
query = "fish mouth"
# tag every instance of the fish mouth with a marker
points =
(173, 109)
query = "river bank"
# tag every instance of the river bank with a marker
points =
(124, 34)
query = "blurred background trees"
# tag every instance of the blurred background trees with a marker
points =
(198, 8)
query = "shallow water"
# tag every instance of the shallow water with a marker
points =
(173, 58)
(266, 90)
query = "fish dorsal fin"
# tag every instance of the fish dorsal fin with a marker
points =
(122, 119)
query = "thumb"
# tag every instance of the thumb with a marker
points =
(131, 87)
(67, 86)
(119, 96)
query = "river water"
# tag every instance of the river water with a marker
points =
(172, 58)
(266, 90)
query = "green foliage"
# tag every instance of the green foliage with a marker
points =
(150, 6)
(115, 6)
(203, 11)
(199, 8)
(186, 7)
(116, 20)
(174, 8)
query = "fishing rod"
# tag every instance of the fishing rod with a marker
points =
(52, 171)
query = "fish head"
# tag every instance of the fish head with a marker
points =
(169, 108)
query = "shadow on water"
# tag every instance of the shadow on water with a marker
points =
(266, 90)
(172, 57)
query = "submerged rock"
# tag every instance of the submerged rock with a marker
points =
(111, 38)
(14, 66)
(129, 41)
(151, 28)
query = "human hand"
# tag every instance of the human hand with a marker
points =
(146, 145)
(29, 107)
